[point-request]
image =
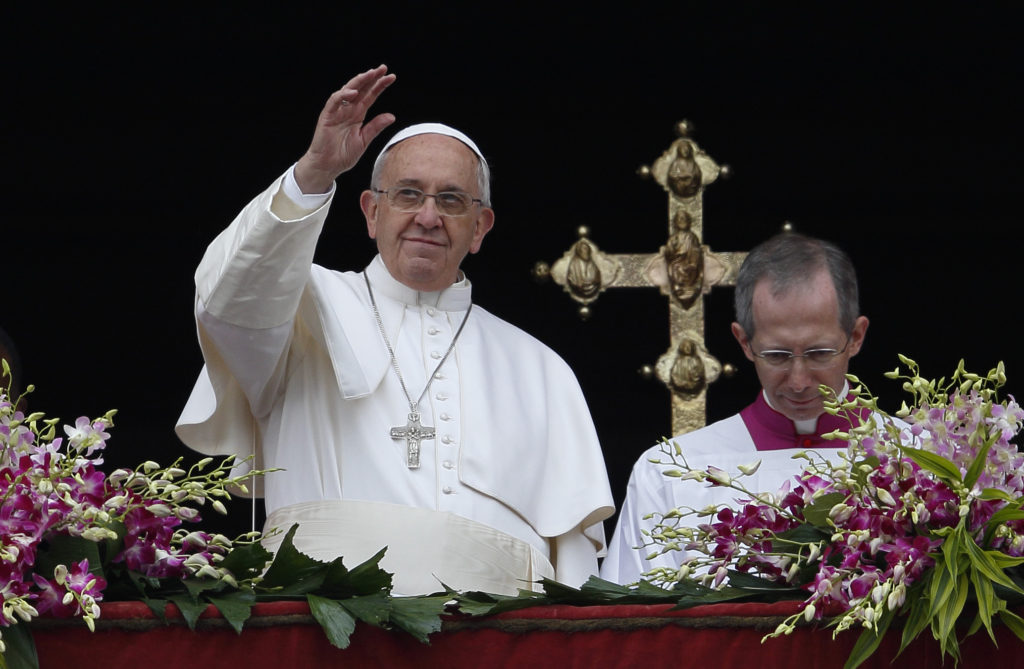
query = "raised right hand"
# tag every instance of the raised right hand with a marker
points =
(341, 136)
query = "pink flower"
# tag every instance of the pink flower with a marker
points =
(78, 580)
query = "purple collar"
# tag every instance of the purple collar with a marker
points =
(772, 431)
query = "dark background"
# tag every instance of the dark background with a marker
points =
(132, 137)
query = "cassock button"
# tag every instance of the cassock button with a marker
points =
(447, 464)
(430, 311)
(436, 355)
(445, 416)
(446, 439)
(806, 442)
(432, 331)
(447, 490)
(441, 396)
(439, 376)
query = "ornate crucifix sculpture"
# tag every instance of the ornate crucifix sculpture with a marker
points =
(684, 270)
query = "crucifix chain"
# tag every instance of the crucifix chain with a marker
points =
(413, 431)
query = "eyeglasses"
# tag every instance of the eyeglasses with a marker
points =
(815, 358)
(448, 203)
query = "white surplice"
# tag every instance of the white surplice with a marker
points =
(297, 372)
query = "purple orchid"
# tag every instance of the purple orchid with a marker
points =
(52, 487)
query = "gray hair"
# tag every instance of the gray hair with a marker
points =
(483, 173)
(789, 260)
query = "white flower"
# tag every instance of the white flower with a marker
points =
(719, 476)
(886, 497)
(750, 468)
(840, 513)
(813, 553)
(160, 510)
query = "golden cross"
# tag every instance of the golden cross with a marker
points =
(684, 270)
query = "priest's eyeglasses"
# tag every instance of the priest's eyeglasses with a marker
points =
(448, 203)
(816, 358)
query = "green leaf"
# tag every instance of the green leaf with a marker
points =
(558, 590)
(475, 603)
(739, 579)
(996, 493)
(596, 591)
(1004, 561)
(950, 612)
(936, 464)
(196, 587)
(987, 562)
(867, 642)
(974, 626)
(292, 572)
(985, 596)
(1014, 622)
(598, 586)
(978, 464)
(599, 591)
(364, 579)
(918, 618)
(859, 473)
(144, 584)
(246, 561)
(190, 608)
(113, 547)
(419, 616)
(698, 595)
(337, 623)
(489, 604)
(940, 589)
(1013, 598)
(67, 550)
(236, 607)
(157, 606)
(716, 597)
(817, 512)
(806, 533)
(21, 648)
(373, 609)
(643, 589)
(952, 547)
(948, 643)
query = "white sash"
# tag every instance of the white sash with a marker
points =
(425, 548)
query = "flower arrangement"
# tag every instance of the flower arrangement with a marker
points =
(73, 537)
(919, 518)
(67, 530)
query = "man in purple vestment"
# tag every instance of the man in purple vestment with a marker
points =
(799, 322)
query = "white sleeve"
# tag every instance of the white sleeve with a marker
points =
(309, 202)
(249, 285)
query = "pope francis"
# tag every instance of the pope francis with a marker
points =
(400, 413)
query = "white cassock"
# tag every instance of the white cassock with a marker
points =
(512, 488)
(756, 433)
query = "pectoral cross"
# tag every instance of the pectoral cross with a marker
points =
(684, 270)
(413, 433)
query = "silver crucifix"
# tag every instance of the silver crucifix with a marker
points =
(413, 433)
